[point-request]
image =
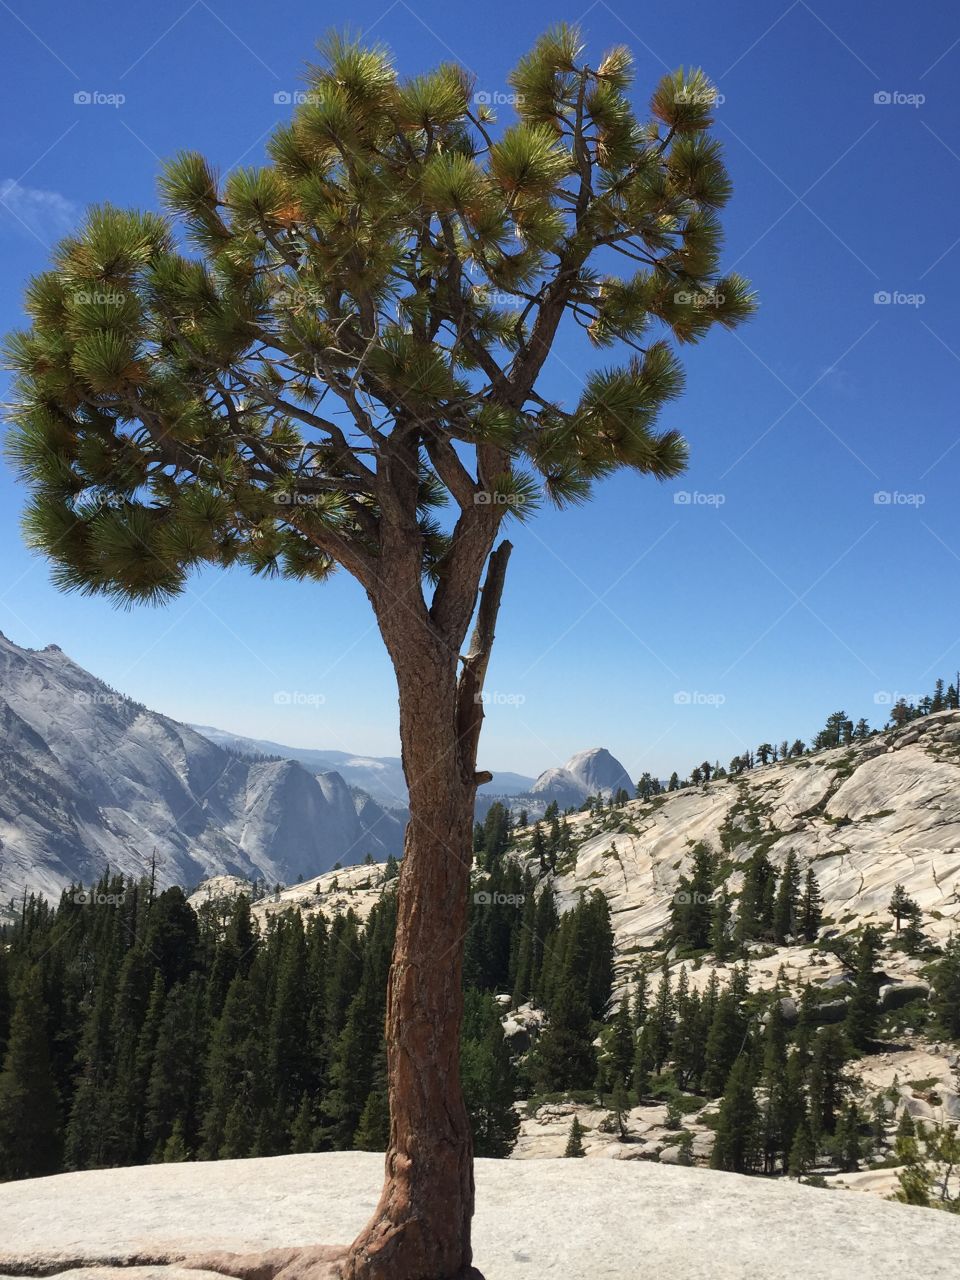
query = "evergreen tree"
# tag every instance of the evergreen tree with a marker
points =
(826, 1081)
(373, 1129)
(787, 903)
(29, 1103)
(213, 336)
(737, 1138)
(489, 1078)
(803, 1151)
(946, 988)
(862, 1013)
(721, 943)
(574, 1148)
(811, 907)
(847, 1140)
(691, 912)
(565, 1056)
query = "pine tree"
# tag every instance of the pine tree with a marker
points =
(574, 1148)
(489, 1078)
(29, 1103)
(373, 1130)
(847, 1142)
(803, 1151)
(193, 410)
(303, 1131)
(691, 910)
(720, 941)
(826, 1081)
(737, 1138)
(811, 907)
(565, 1056)
(620, 1106)
(946, 990)
(725, 1042)
(175, 1149)
(862, 1014)
(620, 1045)
(786, 906)
(901, 904)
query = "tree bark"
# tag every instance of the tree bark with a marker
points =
(421, 1227)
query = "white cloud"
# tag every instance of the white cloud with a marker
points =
(45, 214)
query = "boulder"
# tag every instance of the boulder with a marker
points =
(788, 1010)
(829, 1012)
(518, 1038)
(837, 980)
(894, 995)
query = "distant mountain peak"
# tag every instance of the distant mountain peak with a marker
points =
(591, 772)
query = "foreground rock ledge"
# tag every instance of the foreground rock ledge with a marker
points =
(570, 1218)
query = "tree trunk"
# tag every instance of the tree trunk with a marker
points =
(421, 1227)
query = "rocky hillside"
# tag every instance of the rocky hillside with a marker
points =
(866, 817)
(89, 778)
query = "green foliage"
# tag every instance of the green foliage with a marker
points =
(411, 258)
(574, 1148)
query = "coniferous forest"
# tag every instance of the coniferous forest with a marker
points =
(136, 1028)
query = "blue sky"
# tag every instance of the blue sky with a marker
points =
(666, 630)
